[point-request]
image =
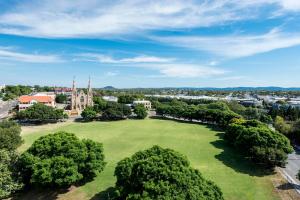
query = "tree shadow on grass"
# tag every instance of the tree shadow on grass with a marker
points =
(39, 194)
(108, 194)
(234, 159)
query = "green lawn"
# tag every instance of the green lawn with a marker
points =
(237, 178)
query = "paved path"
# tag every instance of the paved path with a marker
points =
(291, 170)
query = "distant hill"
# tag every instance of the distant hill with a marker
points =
(270, 88)
(108, 88)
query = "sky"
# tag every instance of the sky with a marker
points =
(150, 43)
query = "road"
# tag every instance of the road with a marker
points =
(291, 170)
(5, 107)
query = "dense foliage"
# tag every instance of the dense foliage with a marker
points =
(89, 114)
(61, 98)
(9, 177)
(116, 111)
(140, 111)
(109, 110)
(285, 111)
(126, 99)
(12, 92)
(61, 159)
(10, 138)
(41, 113)
(164, 174)
(258, 142)
(216, 113)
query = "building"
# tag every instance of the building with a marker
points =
(26, 101)
(80, 100)
(63, 90)
(145, 103)
(110, 98)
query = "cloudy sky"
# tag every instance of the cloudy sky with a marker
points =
(161, 43)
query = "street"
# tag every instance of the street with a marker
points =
(291, 170)
(5, 107)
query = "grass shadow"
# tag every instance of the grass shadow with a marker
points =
(108, 194)
(39, 194)
(235, 160)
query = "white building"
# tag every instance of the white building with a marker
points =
(110, 98)
(145, 103)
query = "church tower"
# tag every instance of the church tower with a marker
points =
(90, 94)
(74, 97)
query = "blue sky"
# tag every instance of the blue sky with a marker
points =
(139, 43)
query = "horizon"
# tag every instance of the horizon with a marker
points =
(141, 44)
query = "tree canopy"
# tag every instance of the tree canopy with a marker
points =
(9, 177)
(41, 113)
(140, 111)
(164, 174)
(10, 138)
(259, 142)
(61, 159)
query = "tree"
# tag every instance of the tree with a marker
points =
(126, 99)
(99, 104)
(61, 159)
(61, 98)
(10, 138)
(281, 126)
(9, 177)
(41, 113)
(89, 114)
(258, 142)
(116, 111)
(140, 111)
(159, 173)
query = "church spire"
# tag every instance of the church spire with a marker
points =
(74, 87)
(89, 84)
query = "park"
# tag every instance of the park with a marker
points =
(203, 145)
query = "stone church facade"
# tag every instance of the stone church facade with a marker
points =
(80, 100)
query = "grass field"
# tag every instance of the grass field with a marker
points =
(237, 178)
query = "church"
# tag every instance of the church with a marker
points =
(80, 100)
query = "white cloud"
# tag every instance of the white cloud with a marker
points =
(7, 54)
(108, 59)
(235, 45)
(182, 70)
(101, 18)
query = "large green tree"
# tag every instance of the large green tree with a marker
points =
(164, 174)
(140, 111)
(61, 159)
(89, 114)
(10, 138)
(41, 113)
(9, 177)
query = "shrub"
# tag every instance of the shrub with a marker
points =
(61, 159)
(159, 173)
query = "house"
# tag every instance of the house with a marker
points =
(145, 103)
(26, 101)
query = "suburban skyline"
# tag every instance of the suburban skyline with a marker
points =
(129, 44)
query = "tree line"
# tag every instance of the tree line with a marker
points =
(251, 137)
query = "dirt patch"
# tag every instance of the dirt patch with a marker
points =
(284, 189)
